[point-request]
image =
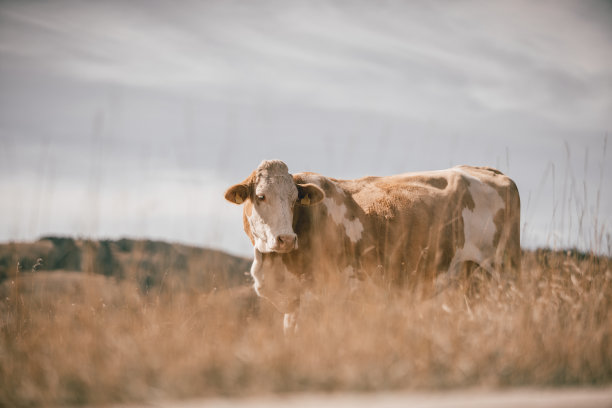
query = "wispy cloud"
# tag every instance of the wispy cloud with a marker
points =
(322, 84)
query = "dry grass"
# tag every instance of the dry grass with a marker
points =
(81, 339)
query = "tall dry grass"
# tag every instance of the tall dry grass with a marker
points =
(69, 338)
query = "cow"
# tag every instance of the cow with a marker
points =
(308, 229)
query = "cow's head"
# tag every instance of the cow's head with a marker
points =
(269, 196)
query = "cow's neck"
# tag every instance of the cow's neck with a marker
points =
(332, 237)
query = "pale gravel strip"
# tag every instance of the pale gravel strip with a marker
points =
(522, 398)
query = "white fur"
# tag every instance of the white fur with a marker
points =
(353, 228)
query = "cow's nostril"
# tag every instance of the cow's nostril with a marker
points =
(286, 240)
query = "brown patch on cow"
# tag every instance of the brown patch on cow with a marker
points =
(466, 199)
(499, 221)
(438, 182)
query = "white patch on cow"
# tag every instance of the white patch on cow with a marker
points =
(334, 210)
(478, 225)
(257, 272)
(353, 228)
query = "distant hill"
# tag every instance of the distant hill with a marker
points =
(150, 264)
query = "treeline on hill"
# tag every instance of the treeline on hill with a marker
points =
(150, 264)
(156, 265)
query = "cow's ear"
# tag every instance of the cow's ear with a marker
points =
(237, 194)
(309, 194)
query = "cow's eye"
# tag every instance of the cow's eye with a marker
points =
(261, 197)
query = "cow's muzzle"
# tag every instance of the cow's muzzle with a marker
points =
(285, 243)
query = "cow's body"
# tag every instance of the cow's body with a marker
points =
(395, 230)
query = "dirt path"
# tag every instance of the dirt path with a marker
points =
(522, 398)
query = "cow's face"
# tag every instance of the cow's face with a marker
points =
(269, 196)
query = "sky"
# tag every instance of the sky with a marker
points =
(130, 119)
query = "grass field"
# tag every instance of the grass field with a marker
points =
(85, 338)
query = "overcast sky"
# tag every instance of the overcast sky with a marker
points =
(131, 118)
